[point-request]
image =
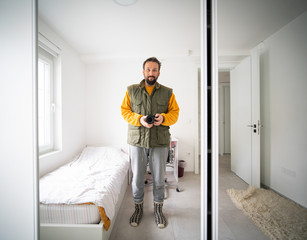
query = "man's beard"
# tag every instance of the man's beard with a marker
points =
(151, 82)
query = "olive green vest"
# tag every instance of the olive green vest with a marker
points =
(142, 103)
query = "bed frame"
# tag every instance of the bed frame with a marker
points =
(83, 231)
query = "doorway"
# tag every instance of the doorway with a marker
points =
(224, 113)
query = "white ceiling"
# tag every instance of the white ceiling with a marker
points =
(243, 24)
(105, 29)
(102, 29)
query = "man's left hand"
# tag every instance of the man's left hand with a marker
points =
(158, 119)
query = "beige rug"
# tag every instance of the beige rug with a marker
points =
(276, 216)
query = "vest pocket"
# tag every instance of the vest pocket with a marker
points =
(136, 106)
(162, 106)
(134, 135)
(163, 135)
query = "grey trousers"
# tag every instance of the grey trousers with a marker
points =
(140, 157)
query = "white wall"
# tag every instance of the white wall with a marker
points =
(73, 103)
(106, 84)
(284, 115)
(17, 161)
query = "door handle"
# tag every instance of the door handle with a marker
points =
(256, 127)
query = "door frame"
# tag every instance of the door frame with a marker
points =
(209, 59)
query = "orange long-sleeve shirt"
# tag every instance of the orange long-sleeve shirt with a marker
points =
(133, 118)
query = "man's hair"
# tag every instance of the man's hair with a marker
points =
(152, 59)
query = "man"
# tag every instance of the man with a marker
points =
(149, 142)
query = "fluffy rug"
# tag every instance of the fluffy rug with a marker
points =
(276, 216)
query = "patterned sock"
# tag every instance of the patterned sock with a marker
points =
(159, 217)
(137, 215)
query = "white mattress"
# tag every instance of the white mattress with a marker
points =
(69, 214)
(95, 177)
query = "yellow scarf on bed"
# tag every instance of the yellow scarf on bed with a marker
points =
(106, 221)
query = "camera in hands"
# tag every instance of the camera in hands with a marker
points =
(150, 119)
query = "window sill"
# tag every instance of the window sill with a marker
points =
(48, 154)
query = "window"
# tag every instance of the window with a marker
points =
(49, 102)
(45, 101)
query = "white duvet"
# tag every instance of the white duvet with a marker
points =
(96, 177)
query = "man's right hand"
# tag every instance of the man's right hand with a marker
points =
(144, 123)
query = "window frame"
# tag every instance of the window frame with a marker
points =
(50, 53)
(46, 58)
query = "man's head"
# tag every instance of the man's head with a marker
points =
(151, 70)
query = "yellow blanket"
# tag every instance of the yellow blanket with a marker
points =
(106, 221)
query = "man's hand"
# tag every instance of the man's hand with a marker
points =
(158, 119)
(144, 123)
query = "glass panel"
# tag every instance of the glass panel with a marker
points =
(44, 104)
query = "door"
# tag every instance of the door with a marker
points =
(245, 120)
(227, 120)
(224, 118)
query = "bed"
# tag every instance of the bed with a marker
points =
(80, 200)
